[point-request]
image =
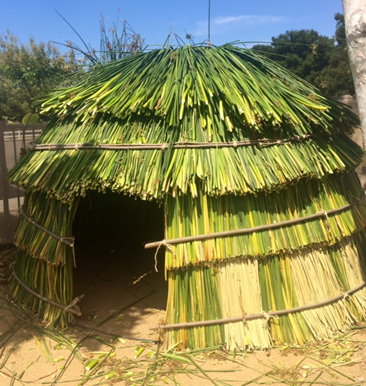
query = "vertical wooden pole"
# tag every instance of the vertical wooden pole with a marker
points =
(4, 183)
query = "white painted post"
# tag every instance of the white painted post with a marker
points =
(355, 21)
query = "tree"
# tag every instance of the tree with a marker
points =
(340, 34)
(318, 59)
(336, 77)
(14, 102)
(113, 45)
(25, 70)
(304, 52)
(355, 21)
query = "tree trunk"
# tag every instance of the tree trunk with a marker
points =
(355, 21)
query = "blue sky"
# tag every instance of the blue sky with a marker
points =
(231, 20)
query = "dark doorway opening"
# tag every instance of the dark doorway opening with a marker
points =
(114, 271)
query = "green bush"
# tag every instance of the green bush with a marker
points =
(30, 118)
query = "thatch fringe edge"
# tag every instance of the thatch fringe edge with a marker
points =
(187, 239)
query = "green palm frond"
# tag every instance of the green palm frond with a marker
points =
(220, 89)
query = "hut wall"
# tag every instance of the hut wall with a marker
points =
(299, 264)
(45, 257)
(46, 244)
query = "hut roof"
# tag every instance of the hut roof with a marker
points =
(223, 120)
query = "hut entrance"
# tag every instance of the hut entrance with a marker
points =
(113, 270)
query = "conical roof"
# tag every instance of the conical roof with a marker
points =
(223, 120)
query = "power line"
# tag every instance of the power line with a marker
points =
(209, 22)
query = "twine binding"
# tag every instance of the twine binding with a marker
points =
(163, 242)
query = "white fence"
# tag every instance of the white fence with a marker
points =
(13, 138)
(19, 135)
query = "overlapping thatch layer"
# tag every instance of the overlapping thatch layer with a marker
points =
(207, 215)
(227, 140)
(151, 174)
(300, 264)
(46, 257)
(265, 128)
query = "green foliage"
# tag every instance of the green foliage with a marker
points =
(14, 102)
(337, 76)
(318, 59)
(30, 118)
(114, 45)
(304, 52)
(340, 34)
(25, 69)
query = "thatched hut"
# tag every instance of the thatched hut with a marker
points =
(264, 214)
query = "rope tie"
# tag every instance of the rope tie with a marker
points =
(327, 224)
(165, 244)
(76, 146)
(325, 214)
(72, 245)
(235, 144)
(164, 146)
(268, 316)
(73, 303)
(345, 296)
(72, 239)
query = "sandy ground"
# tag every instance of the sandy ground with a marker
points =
(114, 333)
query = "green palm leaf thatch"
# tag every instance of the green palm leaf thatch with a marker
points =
(188, 96)
(287, 266)
(227, 140)
(46, 257)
